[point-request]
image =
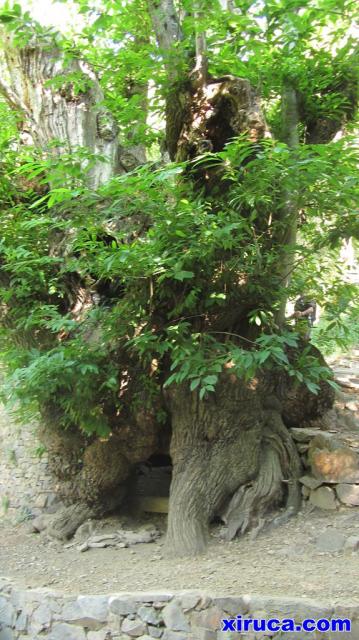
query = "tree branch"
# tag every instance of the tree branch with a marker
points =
(288, 217)
(14, 100)
(166, 25)
(201, 68)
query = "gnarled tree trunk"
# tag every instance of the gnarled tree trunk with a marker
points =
(233, 455)
(215, 447)
(61, 103)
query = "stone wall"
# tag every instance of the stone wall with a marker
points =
(188, 615)
(26, 486)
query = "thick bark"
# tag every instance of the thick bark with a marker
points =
(233, 455)
(167, 28)
(215, 448)
(218, 111)
(62, 108)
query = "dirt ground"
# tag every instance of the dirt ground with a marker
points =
(286, 561)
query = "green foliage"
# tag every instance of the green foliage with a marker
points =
(149, 277)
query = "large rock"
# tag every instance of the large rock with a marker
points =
(122, 605)
(331, 541)
(323, 498)
(64, 631)
(7, 612)
(310, 482)
(232, 605)
(281, 607)
(189, 601)
(174, 618)
(168, 634)
(88, 611)
(210, 618)
(332, 462)
(306, 434)
(348, 494)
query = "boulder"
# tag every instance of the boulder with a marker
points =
(330, 541)
(323, 498)
(348, 494)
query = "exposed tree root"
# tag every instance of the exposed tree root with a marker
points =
(279, 465)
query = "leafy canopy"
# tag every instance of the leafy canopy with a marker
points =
(148, 274)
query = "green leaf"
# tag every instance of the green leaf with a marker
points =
(183, 275)
(194, 384)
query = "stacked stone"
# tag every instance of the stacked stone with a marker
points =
(331, 461)
(188, 615)
(26, 486)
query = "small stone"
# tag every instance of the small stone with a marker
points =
(348, 494)
(189, 600)
(323, 498)
(310, 482)
(330, 541)
(303, 435)
(155, 632)
(352, 543)
(352, 406)
(40, 523)
(149, 615)
(134, 628)
(122, 606)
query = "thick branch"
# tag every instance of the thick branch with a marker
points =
(201, 68)
(167, 28)
(13, 100)
(288, 215)
(168, 33)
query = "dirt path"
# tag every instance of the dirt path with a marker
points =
(291, 560)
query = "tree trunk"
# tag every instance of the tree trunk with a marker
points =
(233, 455)
(215, 448)
(61, 103)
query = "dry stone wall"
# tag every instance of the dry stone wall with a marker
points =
(189, 615)
(26, 486)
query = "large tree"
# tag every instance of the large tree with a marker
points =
(144, 301)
